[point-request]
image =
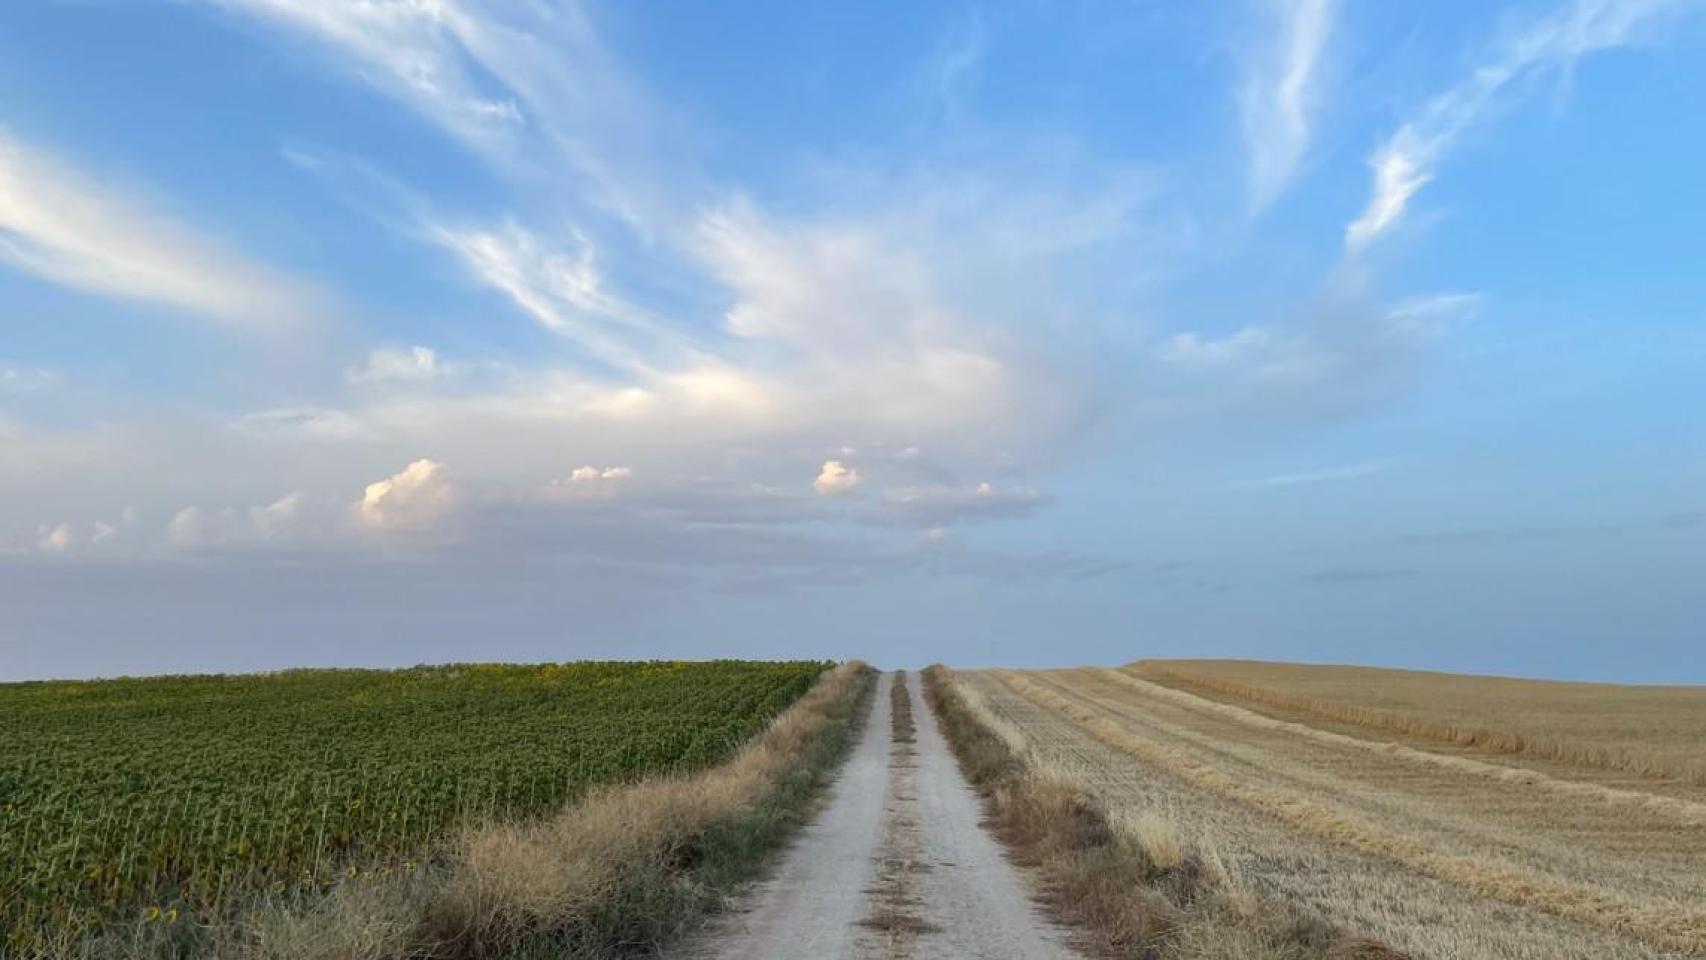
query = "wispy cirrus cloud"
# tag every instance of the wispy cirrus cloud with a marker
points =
(560, 286)
(70, 228)
(1281, 85)
(1407, 160)
(529, 86)
(418, 51)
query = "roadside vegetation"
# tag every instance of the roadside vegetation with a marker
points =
(577, 811)
(1131, 886)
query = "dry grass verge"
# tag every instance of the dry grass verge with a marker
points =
(1131, 888)
(619, 874)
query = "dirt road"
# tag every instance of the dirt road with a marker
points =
(896, 866)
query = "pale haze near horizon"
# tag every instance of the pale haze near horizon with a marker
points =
(376, 334)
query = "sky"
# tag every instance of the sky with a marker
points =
(1030, 332)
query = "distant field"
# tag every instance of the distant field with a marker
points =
(1436, 850)
(1649, 730)
(157, 798)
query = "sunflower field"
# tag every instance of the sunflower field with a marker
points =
(161, 799)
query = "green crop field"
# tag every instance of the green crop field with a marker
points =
(161, 799)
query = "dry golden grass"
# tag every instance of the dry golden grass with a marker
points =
(1608, 859)
(570, 884)
(1653, 731)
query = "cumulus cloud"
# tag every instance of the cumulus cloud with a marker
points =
(836, 478)
(75, 230)
(1408, 159)
(414, 498)
(1280, 88)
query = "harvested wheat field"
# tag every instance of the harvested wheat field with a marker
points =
(1439, 850)
(1655, 732)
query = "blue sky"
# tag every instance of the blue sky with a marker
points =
(1022, 332)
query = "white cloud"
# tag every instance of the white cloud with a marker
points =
(411, 48)
(1354, 471)
(836, 478)
(891, 326)
(529, 86)
(820, 290)
(17, 379)
(939, 506)
(190, 528)
(414, 498)
(316, 423)
(56, 539)
(276, 518)
(1341, 354)
(588, 483)
(1407, 161)
(1280, 89)
(562, 289)
(952, 72)
(595, 474)
(857, 324)
(1400, 169)
(1430, 316)
(284, 522)
(74, 230)
(1255, 352)
(414, 365)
